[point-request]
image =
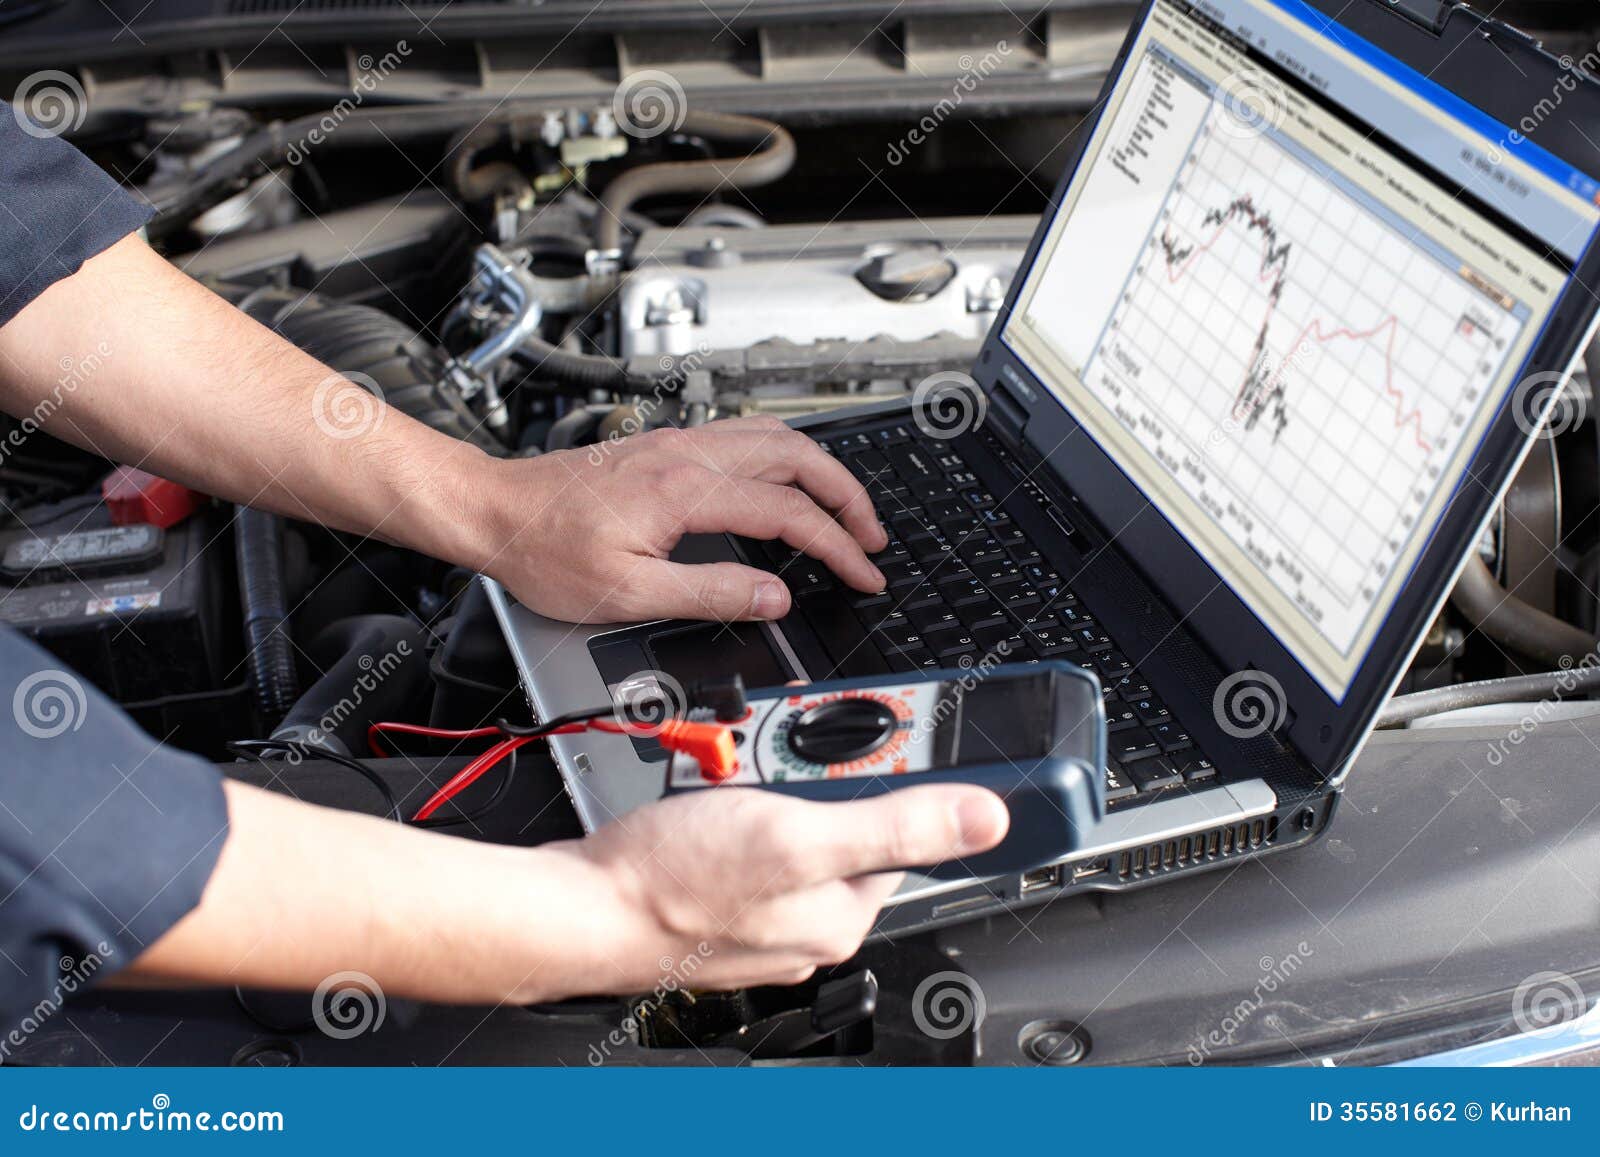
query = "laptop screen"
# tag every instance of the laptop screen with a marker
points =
(1288, 289)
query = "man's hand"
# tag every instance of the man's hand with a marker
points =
(193, 390)
(759, 888)
(583, 535)
(762, 888)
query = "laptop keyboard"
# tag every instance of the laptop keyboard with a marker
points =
(965, 582)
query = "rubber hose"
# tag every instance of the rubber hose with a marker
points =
(770, 154)
(273, 144)
(1517, 689)
(358, 339)
(375, 667)
(484, 181)
(586, 372)
(1508, 620)
(577, 423)
(269, 656)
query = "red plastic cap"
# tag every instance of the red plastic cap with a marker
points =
(711, 745)
(134, 495)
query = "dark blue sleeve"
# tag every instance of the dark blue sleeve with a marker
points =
(57, 210)
(107, 838)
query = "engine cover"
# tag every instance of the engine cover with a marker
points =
(713, 289)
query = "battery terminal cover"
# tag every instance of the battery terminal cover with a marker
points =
(137, 496)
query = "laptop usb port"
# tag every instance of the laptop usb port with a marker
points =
(1090, 870)
(1038, 879)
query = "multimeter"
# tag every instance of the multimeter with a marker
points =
(1033, 733)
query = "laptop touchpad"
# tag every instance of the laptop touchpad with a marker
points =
(687, 652)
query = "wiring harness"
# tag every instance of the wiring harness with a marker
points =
(710, 743)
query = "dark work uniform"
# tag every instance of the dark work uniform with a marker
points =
(106, 838)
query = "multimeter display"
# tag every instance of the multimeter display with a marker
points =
(1033, 734)
(898, 729)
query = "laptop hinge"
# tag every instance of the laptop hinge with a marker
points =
(1430, 14)
(1006, 416)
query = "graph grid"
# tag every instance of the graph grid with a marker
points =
(1309, 353)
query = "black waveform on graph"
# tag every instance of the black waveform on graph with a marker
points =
(1262, 391)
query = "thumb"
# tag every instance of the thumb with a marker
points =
(726, 591)
(912, 826)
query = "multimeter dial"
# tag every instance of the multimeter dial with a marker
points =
(842, 730)
(816, 735)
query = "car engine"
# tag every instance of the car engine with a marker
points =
(540, 244)
(553, 275)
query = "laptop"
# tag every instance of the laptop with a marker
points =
(1296, 312)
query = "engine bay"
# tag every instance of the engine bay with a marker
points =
(562, 272)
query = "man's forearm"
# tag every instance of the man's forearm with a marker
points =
(165, 375)
(303, 892)
(178, 381)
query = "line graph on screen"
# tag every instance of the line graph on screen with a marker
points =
(1297, 360)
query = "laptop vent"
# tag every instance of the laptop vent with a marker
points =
(1205, 847)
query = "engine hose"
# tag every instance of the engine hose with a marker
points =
(578, 423)
(482, 182)
(358, 339)
(585, 372)
(1403, 709)
(1510, 621)
(274, 144)
(375, 667)
(770, 153)
(269, 656)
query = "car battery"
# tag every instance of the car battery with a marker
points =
(136, 609)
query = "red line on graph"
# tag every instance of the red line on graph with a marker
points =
(1402, 416)
(1273, 268)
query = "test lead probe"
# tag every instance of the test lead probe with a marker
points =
(710, 744)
